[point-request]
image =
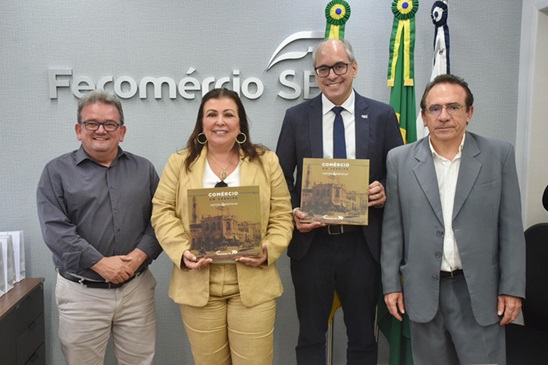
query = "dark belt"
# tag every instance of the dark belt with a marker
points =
(96, 284)
(336, 229)
(451, 274)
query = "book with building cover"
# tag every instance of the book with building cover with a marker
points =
(225, 222)
(334, 191)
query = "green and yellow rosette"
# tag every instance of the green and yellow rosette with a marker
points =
(403, 28)
(337, 13)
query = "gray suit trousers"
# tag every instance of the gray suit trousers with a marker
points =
(454, 337)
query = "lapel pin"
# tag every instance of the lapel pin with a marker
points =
(365, 116)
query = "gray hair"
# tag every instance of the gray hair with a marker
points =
(347, 48)
(100, 96)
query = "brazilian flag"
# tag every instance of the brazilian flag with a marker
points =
(401, 66)
(402, 99)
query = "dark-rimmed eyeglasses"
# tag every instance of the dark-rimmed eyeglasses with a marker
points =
(452, 109)
(92, 125)
(339, 69)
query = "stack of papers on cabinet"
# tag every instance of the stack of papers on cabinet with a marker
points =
(12, 259)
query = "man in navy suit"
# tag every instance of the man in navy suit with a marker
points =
(345, 259)
(453, 232)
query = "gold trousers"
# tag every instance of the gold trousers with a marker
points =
(226, 332)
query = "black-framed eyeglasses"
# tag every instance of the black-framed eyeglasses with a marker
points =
(339, 69)
(93, 125)
(452, 109)
(221, 184)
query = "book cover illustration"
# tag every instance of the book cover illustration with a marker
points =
(334, 191)
(225, 223)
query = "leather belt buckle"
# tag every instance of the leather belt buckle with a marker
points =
(451, 274)
(97, 284)
(334, 230)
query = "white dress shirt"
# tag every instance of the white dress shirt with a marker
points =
(210, 179)
(349, 121)
(447, 173)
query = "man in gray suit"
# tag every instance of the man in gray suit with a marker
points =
(452, 229)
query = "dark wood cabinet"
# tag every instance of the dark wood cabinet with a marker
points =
(22, 331)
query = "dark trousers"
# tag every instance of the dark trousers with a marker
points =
(345, 264)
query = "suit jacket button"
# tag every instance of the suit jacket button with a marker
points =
(439, 233)
(435, 277)
(438, 254)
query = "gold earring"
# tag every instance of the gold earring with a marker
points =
(201, 138)
(240, 139)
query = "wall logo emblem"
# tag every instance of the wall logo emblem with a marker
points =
(293, 55)
(189, 86)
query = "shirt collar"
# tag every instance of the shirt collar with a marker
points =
(348, 104)
(82, 156)
(434, 153)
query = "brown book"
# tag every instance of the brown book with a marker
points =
(335, 191)
(225, 223)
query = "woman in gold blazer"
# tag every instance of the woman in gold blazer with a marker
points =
(228, 310)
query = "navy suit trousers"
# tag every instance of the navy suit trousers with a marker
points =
(345, 264)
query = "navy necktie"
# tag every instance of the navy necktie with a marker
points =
(339, 143)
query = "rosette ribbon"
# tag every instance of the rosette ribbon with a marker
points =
(337, 13)
(403, 35)
(440, 58)
(440, 63)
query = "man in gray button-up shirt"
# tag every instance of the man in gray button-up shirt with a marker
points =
(94, 206)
